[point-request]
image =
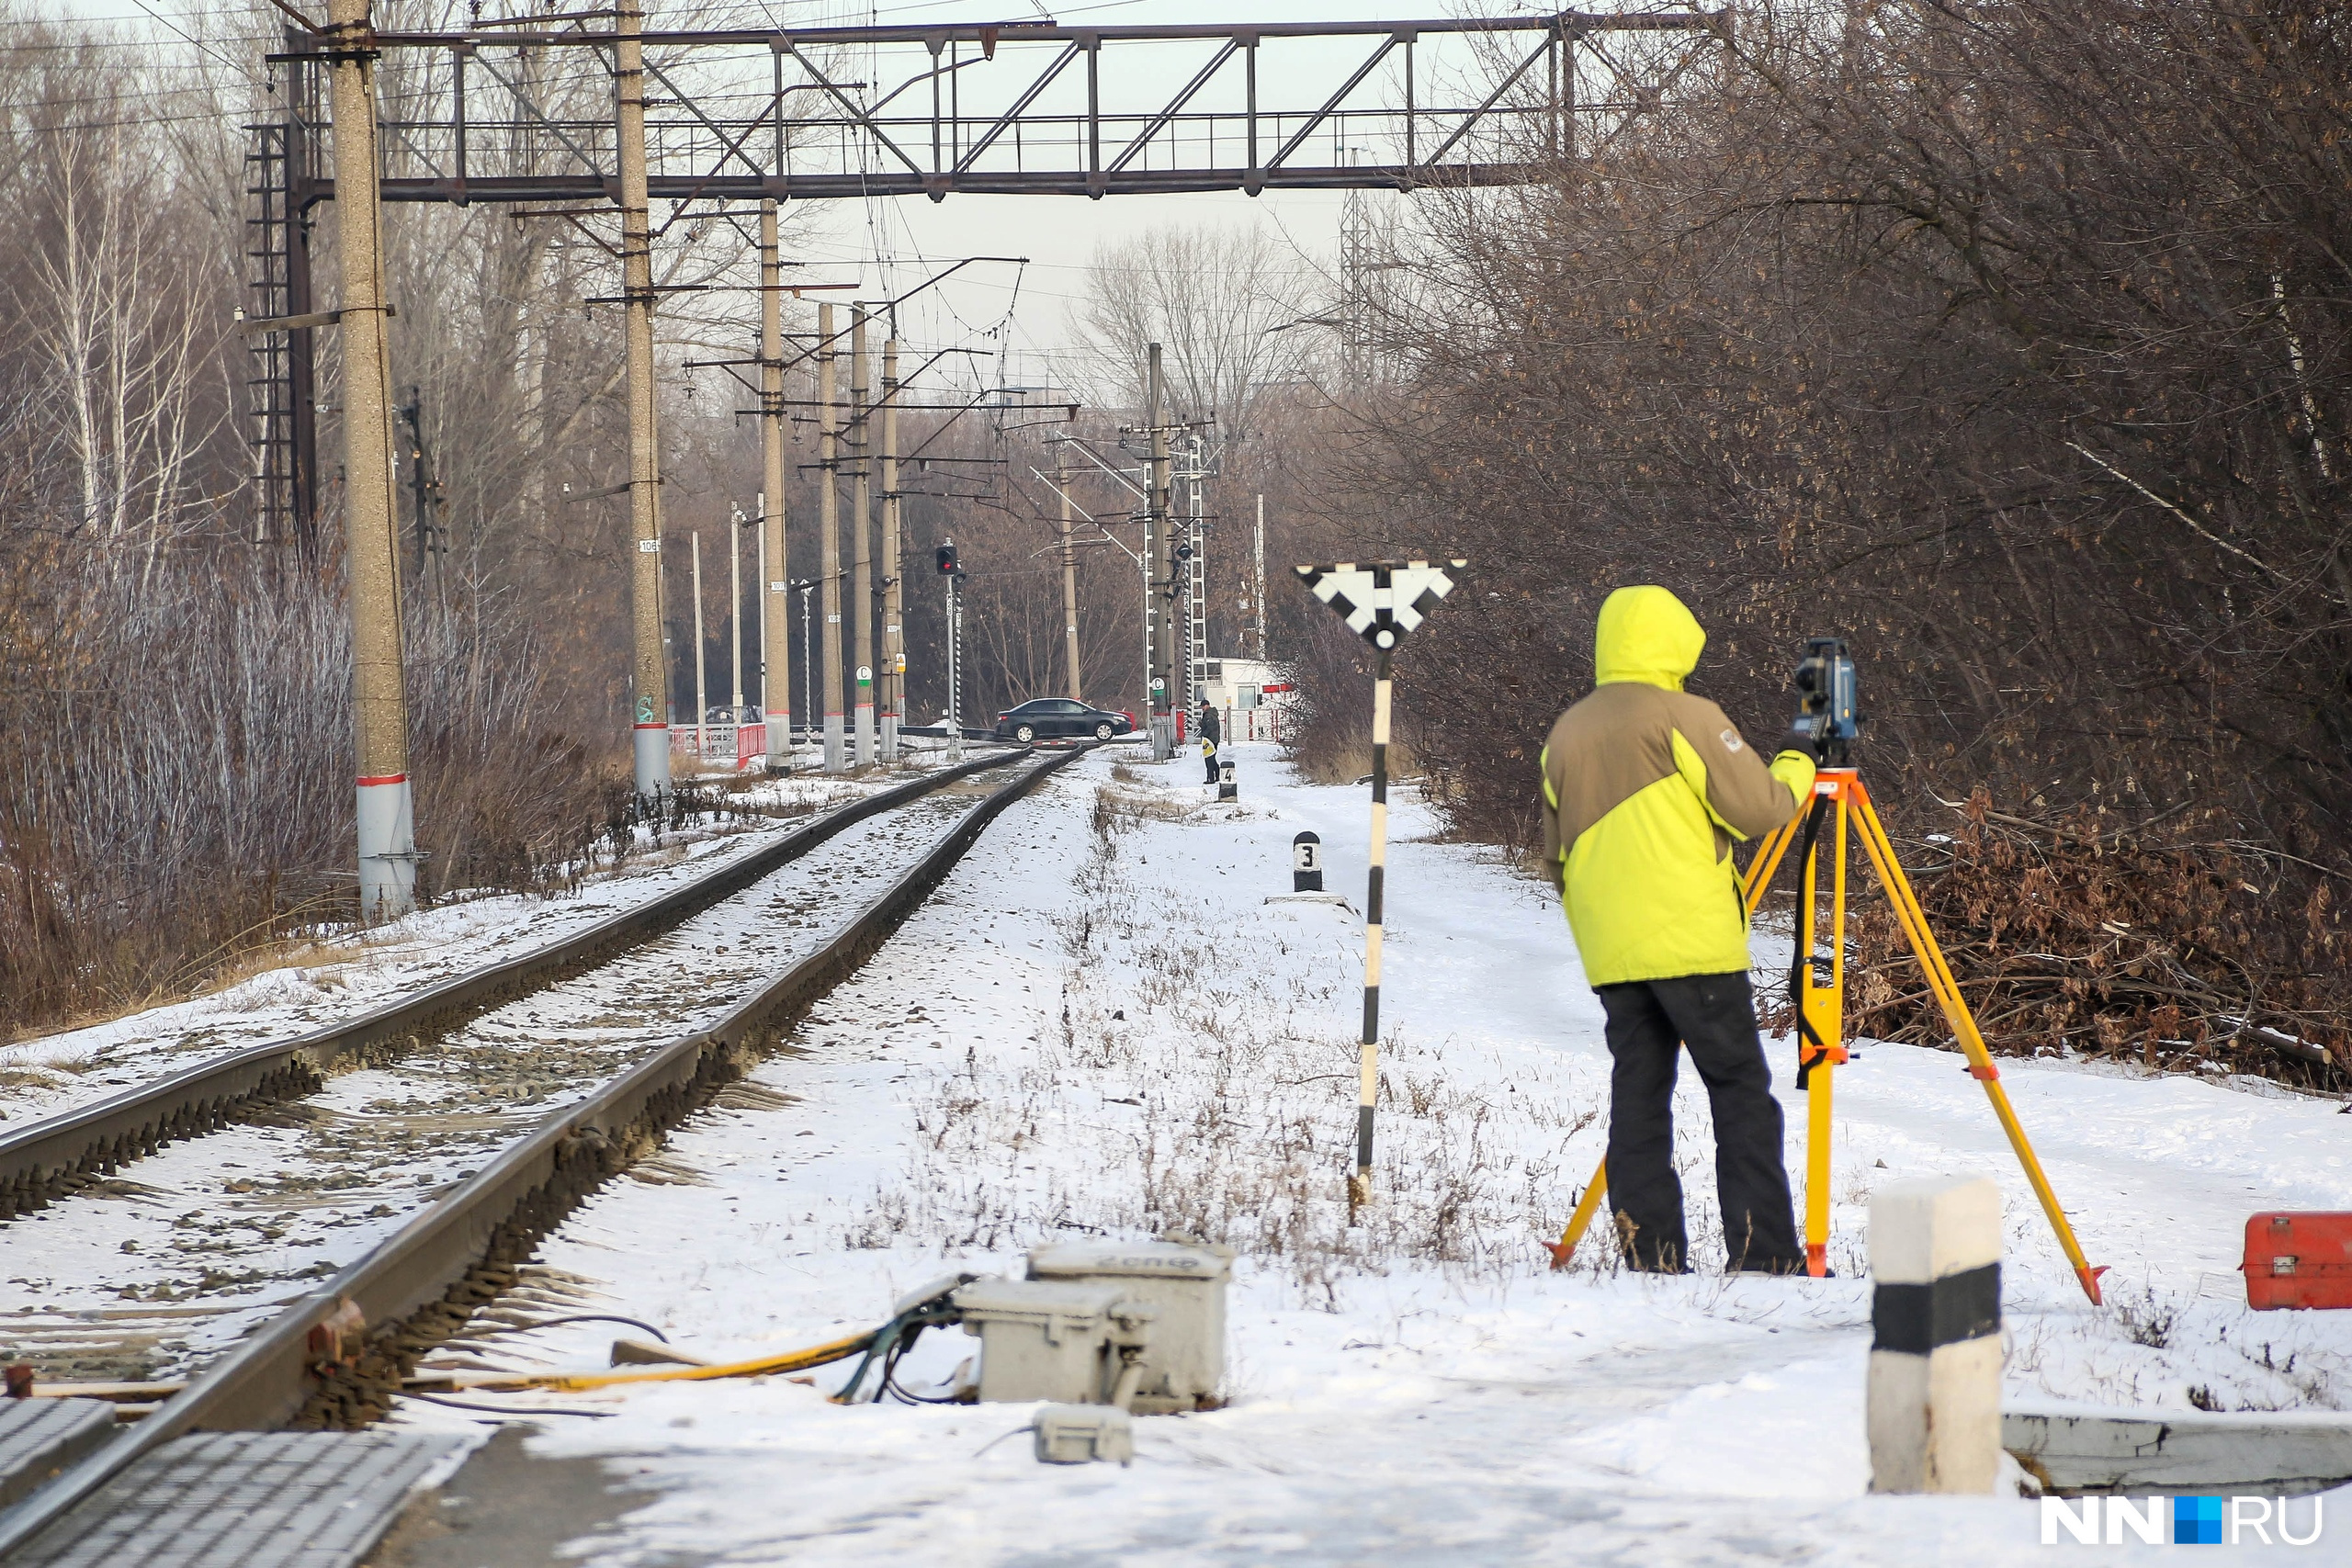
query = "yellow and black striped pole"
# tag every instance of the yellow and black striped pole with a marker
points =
(1381, 602)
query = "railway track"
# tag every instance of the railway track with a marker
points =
(57, 1156)
(333, 1356)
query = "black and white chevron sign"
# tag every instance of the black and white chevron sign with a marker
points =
(1382, 600)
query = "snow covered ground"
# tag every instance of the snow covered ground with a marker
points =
(339, 976)
(1100, 1027)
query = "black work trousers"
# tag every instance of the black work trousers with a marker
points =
(1714, 1016)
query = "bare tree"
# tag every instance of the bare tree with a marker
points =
(1218, 300)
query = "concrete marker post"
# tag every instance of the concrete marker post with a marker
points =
(385, 803)
(1935, 1369)
(1306, 863)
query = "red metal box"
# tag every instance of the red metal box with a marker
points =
(2299, 1260)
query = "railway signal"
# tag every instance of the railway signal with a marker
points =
(946, 557)
(1381, 601)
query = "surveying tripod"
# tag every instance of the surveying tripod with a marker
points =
(1819, 986)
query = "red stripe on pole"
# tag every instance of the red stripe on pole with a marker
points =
(387, 779)
(652, 727)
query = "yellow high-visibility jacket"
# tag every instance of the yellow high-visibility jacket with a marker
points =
(1645, 789)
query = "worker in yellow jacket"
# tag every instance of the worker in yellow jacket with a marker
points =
(1645, 789)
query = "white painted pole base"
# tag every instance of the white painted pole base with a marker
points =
(836, 750)
(1163, 738)
(889, 738)
(650, 751)
(1935, 1369)
(779, 742)
(387, 850)
(861, 731)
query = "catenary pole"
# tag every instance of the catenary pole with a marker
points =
(807, 651)
(861, 519)
(1159, 552)
(775, 576)
(954, 670)
(1069, 577)
(702, 698)
(891, 675)
(1258, 592)
(829, 531)
(760, 599)
(735, 611)
(387, 823)
(650, 683)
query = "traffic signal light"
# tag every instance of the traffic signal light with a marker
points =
(945, 555)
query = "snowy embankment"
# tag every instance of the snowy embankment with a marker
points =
(1100, 1027)
(339, 976)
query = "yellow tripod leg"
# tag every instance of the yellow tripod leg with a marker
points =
(1822, 1007)
(1581, 1221)
(1972, 1043)
(1767, 860)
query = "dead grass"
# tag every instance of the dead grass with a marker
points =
(1176, 1090)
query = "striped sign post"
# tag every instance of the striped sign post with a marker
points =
(1381, 601)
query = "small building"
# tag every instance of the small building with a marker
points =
(1251, 694)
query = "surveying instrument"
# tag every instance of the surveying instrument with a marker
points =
(1827, 685)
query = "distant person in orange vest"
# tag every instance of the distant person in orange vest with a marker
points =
(1211, 733)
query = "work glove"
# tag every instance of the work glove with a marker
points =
(1801, 739)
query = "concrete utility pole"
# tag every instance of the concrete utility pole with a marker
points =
(1159, 550)
(1258, 591)
(387, 817)
(861, 513)
(775, 577)
(648, 680)
(702, 699)
(735, 611)
(828, 530)
(893, 672)
(1196, 579)
(1069, 577)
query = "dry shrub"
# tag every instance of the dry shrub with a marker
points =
(2158, 945)
(2007, 340)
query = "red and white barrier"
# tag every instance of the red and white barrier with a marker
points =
(729, 745)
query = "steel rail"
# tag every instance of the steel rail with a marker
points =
(47, 1159)
(284, 1367)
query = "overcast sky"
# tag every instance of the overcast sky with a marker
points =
(889, 243)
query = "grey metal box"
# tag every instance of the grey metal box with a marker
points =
(1075, 1434)
(1048, 1340)
(1185, 1282)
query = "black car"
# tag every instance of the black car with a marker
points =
(1049, 716)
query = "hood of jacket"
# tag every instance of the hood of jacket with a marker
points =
(1645, 634)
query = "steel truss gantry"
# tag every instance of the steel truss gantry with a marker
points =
(1024, 109)
(522, 110)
